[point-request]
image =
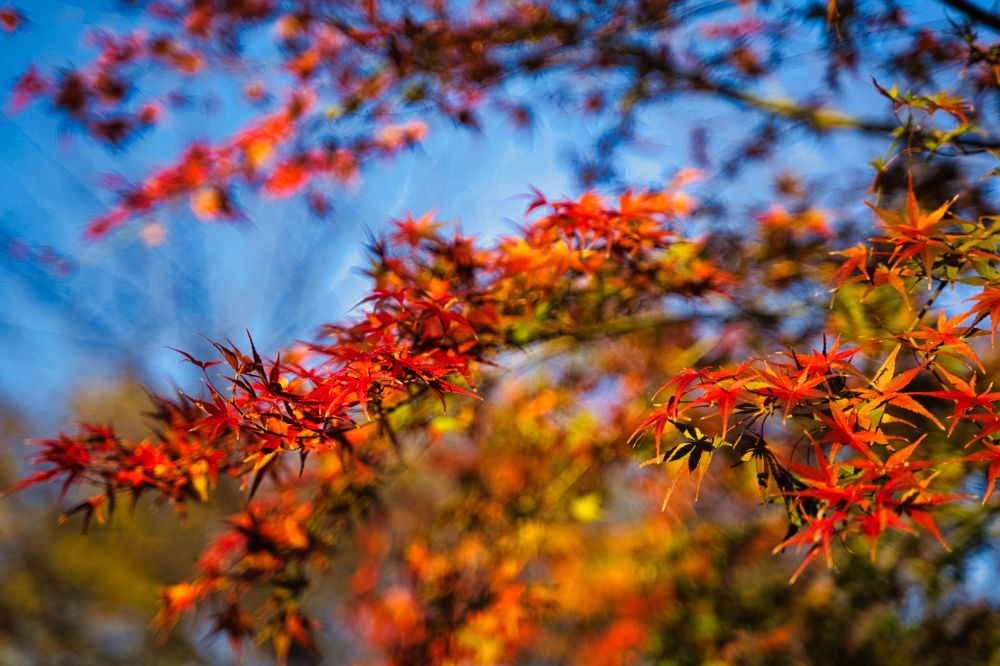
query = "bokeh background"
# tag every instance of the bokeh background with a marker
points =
(84, 325)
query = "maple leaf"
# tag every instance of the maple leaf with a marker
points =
(965, 397)
(439, 387)
(886, 390)
(219, 414)
(767, 466)
(824, 482)
(819, 535)
(790, 391)
(655, 422)
(992, 455)
(412, 231)
(898, 467)
(822, 363)
(883, 514)
(942, 101)
(856, 258)
(894, 277)
(916, 223)
(988, 302)
(943, 336)
(684, 379)
(925, 520)
(917, 502)
(724, 396)
(697, 453)
(700, 453)
(990, 423)
(913, 234)
(843, 430)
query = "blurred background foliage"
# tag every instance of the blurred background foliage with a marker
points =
(73, 599)
(555, 487)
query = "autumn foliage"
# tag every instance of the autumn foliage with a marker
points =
(311, 431)
(612, 356)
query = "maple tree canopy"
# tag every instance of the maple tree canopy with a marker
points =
(501, 453)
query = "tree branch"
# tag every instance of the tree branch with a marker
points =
(820, 119)
(975, 13)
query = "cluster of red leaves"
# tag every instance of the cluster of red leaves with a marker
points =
(369, 64)
(181, 466)
(441, 309)
(97, 96)
(843, 409)
(205, 174)
(876, 415)
(267, 544)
